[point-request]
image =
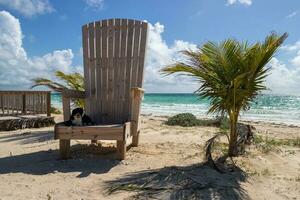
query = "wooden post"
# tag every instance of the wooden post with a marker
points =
(64, 145)
(2, 103)
(95, 142)
(121, 149)
(137, 94)
(49, 104)
(121, 144)
(24, 104)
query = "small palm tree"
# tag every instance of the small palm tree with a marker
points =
(231, 75)
(72, 81)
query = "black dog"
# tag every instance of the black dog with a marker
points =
(79, 118)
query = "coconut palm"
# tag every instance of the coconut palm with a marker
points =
(72, 81)
(231, 74)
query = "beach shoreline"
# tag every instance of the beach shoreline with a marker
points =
(266, 108)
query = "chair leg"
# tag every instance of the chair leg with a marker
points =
(135, 139)
(121, 149)
(64, 149)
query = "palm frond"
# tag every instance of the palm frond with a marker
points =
(74, 81)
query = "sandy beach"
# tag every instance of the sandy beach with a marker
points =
(30, 168)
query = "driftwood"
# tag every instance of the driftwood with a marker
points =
(245, 137)
(15, 123)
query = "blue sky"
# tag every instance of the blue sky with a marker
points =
(48, 35)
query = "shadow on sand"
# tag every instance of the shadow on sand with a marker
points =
(34, 136)
(45, 162)
(178, 183)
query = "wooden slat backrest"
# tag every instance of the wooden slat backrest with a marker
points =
(113, 56)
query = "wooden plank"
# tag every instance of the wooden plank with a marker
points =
(121, 149)
(110, 80)
(64, 144)
(7, 103)
(122, 69)
(24, 110)
(128, 70)
(104, 66)
(73, 94)
(122, 144)
(44, 106)
(98, 106)
(28, 103)
(142, 53)
(40, 104)
(127, 133)
(85, 63)
(33, 104)
(48, 102)
(90, 132)
(12, 102)
(92, 62)
(1, 103)
(66, 108)
(16, 104)
(37, 104)
(136, 95)
(21, 103)
(137, 34)
(117, 54)
(64, 149)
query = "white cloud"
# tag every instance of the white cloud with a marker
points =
(159, 54)
(296, 60)
(96, 4)
(244, 2)
(293, 14)
(28, 7)
(283, 79)
(17, 69)
(292, 47)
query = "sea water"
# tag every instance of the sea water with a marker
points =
(268, 108)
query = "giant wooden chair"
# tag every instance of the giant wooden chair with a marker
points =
(113, 56)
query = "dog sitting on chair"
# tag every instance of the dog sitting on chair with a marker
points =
(79, 118)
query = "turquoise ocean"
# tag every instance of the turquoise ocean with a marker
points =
(268, 108)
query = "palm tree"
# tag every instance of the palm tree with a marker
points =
(231, 74)
(72, 81)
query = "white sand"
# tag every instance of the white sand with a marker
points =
(29, 168)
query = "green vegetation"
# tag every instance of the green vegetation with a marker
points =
(54, 110)
(231, 74)
(266, 144)
(72, 81)
(188, 120)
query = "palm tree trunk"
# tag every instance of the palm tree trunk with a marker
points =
(232, 151)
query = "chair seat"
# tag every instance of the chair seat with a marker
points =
(95, 132)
